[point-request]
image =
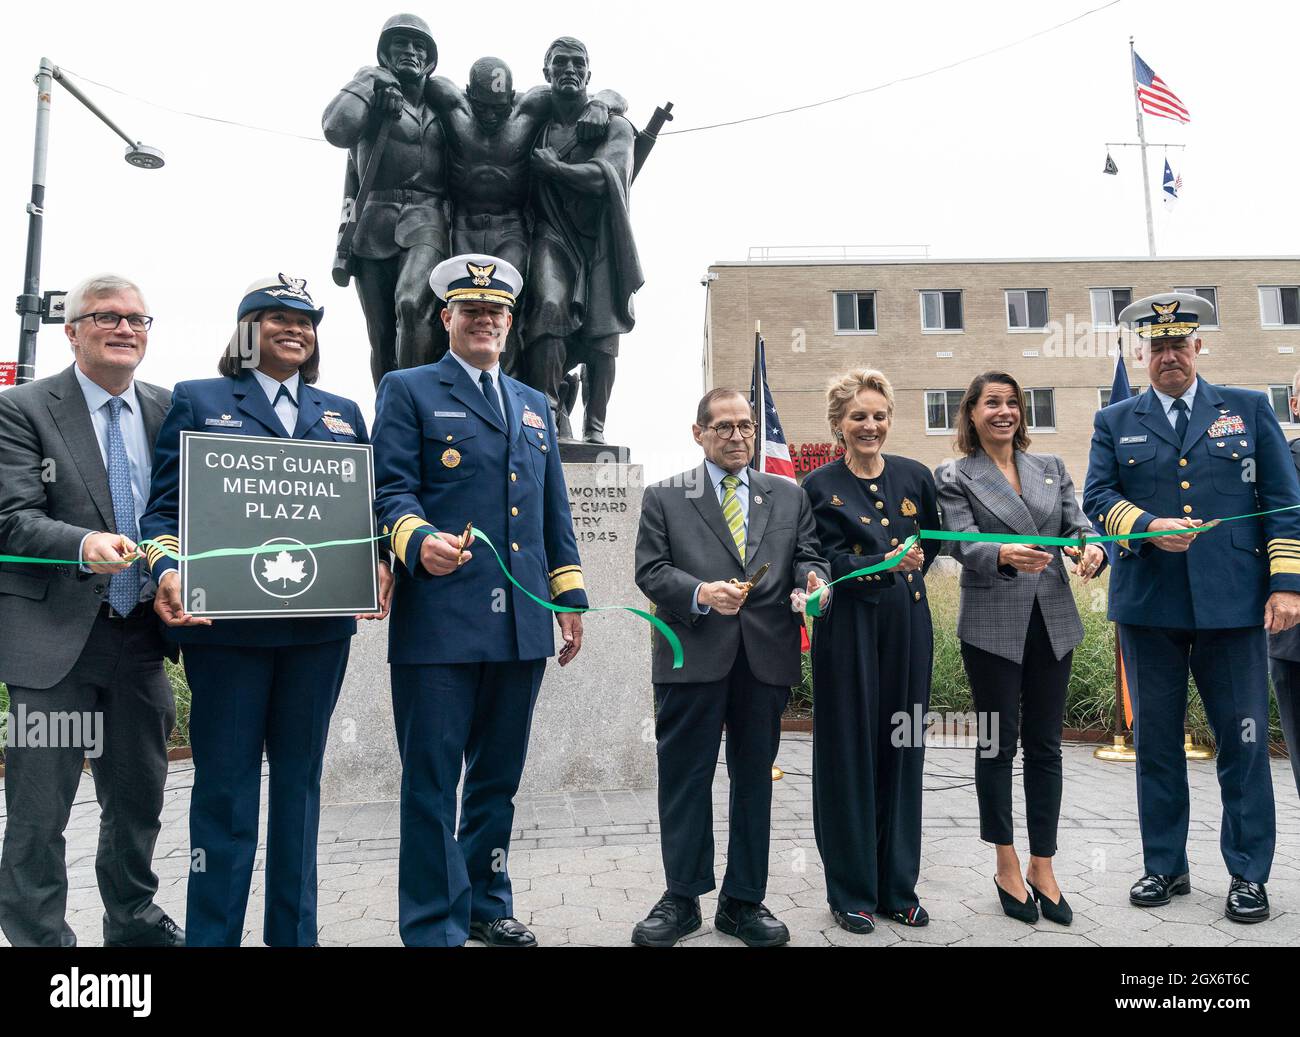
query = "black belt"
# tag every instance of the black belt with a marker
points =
(106, 611)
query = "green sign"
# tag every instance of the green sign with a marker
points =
(284, 497)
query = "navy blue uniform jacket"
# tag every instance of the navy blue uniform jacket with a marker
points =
(243, 400)
(442, 460)
(1233, 461)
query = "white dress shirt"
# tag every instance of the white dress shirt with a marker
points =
(285, 410)
(494, 372)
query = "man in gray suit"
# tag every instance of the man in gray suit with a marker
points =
(82, 651)
(724, 552)
(1284, 648)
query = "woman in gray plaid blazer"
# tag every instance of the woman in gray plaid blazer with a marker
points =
(1018, 625)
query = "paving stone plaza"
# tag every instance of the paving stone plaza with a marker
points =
(586, 866)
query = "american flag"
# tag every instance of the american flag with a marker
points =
(1155, 96)
(772, 454)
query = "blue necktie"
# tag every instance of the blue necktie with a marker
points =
(1182, 421)
(485, 380)
(123, 587)
(285, 394)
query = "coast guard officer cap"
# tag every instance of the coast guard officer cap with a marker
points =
(1167, 315)
(280, 292)
(476, 278)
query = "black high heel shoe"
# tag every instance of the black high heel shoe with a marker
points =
(1020, 910)
(1058, 911)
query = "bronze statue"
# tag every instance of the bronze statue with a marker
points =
(395, 196)
(490, 131)
(583, 269)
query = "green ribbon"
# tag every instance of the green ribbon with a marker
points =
(814, 604)
(233, 552)
(653, 620)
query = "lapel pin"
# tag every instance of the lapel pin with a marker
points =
(758, 499)
(1049, 482)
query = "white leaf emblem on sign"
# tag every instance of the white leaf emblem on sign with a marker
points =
(284, 569)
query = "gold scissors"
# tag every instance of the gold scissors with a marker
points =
(762, 571)
(469, 528)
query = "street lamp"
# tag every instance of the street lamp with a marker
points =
(30, 308)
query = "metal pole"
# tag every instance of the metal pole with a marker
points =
(72, 89)
(1142, 143)
(29, 303)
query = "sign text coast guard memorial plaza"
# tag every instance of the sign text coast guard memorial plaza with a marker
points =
(286, 497)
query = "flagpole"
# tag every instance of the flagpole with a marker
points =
(758, 402)
(1142, 143)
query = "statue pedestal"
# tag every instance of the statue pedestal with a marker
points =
(593, 727)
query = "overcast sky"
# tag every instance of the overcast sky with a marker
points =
(999, 157)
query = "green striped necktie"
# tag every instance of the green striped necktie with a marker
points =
(731, 512)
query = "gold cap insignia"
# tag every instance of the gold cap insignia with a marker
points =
(482, 275)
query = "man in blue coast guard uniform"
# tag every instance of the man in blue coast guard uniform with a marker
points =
(1181, 454)
(459, 442)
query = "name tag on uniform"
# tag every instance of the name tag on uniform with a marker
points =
(1126, 440)
(338, 426)
(223, 422)
(449, 414)
(533, 419)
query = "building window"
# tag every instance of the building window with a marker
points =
(1280, 395)
(1040, 405)
(1027, 309)
(855, 313)
(1279, 306)
(1107, 304)
(941, 311)
(1210, 295)
(941, 407)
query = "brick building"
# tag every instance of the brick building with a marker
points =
(931, 325)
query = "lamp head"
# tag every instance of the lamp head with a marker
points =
(144, 157)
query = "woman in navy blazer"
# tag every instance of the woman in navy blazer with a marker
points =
(255, 682)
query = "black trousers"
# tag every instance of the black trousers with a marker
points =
(688, 729)
(119, 697)
(1024, 700)
(1286, 683)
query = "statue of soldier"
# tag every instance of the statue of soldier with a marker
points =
(490, 132)
(583, 269)
(403, 221)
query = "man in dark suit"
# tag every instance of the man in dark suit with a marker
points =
(704, 537)
(460, 442)
(82, 652)
(1180, 454)
(1284, 648)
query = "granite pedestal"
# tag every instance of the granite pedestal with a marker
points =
(593, 728)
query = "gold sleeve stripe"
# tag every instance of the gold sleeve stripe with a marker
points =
(1282, 544)
(1284, 566)
(570, 581)
(402, 530)
(1121, 519)
(564, 569)
(157, 551)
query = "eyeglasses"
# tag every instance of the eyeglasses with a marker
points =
(110, 321)
(727, 430)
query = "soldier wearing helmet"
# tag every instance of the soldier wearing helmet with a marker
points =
(403, 224)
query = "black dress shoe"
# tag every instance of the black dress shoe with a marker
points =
(752, 923)
(1054, 911)
(502, 932)
(1021, 910)
(913, 916)
(1157, 890)
(668, 921)
(163, 933)
(1247, 901)
(858, 922)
